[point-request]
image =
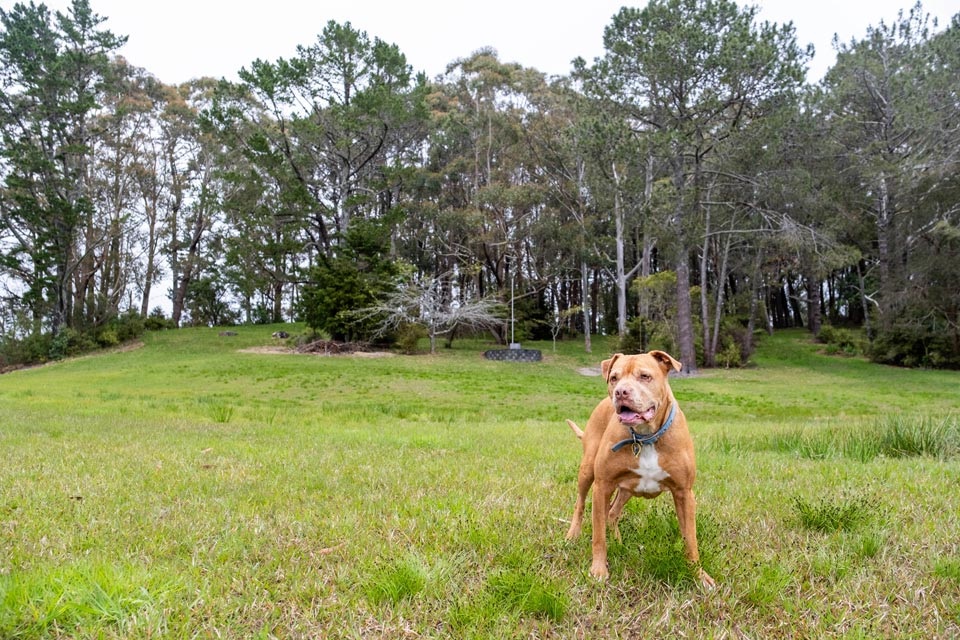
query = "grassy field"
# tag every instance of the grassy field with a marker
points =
(189, 489)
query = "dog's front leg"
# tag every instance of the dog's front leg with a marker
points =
(686, 506)
(602, 493)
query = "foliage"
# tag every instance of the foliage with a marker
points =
(912, 344)
(691, 142)
(342, 286)
(43, 347)
(409, 336)
(53, 69)
(157, 321)
(926, 330)
(840, 340)
(206, 303)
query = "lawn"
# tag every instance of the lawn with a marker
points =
(189, 488)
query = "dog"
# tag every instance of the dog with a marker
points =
(636, 444)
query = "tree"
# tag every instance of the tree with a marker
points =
(52, 71)
(424, 303)
(332, 127)
(891, 103)
(360, 274)
(690, 72)
(194, 201)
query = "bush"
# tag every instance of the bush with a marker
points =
(409, 336)
(644, 334)
(157, 321)
(914, 345)
(844, 341)
(108, 338)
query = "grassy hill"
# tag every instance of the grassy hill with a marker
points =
(191, 488)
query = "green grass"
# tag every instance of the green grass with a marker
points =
(188, 489)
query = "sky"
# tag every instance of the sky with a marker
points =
(177, 40)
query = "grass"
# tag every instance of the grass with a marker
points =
(189, 489)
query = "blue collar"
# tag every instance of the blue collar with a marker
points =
(638, 440)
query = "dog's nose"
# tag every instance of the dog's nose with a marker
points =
(620, 392)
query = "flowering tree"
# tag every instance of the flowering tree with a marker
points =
(428, 303)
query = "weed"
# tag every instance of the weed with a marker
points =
(221, 413)
(844, 514)
(947, 569)
(395, 582)
(768, 585)
(900, 436)
(527, 593)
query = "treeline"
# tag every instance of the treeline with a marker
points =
(686, 189)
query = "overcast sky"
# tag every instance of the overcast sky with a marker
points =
(177, 40)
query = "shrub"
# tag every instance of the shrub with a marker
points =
(353, 280)
(644, 334)
(409, 336)
(108, 338)
(845, 341)
(157, 321)
(915, 345)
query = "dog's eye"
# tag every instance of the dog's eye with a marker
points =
(614, 377)
(645, 377)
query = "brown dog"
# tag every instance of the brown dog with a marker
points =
(636, 443)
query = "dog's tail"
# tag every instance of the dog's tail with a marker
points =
(577, 431)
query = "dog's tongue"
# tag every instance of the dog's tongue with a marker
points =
(632, 417)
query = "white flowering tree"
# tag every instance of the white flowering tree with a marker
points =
(428, 303)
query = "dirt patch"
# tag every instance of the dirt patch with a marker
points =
(321, 348)
(589, 371)
(275, 350)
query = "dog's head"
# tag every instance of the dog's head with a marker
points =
(638, 385)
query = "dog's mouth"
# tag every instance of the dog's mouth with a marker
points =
(630, 416)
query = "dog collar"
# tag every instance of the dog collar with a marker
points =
(639, 440)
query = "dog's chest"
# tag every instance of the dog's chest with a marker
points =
(648, 472)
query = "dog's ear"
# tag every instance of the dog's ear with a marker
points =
(606, 364)
(666, 361)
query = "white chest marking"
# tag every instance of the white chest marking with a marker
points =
(648, 471)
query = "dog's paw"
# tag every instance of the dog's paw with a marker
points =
(705, 580)
(599, 570)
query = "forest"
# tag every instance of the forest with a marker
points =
(687, 189)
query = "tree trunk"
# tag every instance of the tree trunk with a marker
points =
(687, 345)
(756, 290)
(884, 209)
(721, 294)
(585, 304)
(708, 347)
(688, 352)
(151, 270)
(621, 269)
(814, 302)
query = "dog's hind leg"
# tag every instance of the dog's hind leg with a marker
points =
(616, 512)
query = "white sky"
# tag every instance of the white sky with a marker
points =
(177, 40)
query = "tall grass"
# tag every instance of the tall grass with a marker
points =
(888, 436)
